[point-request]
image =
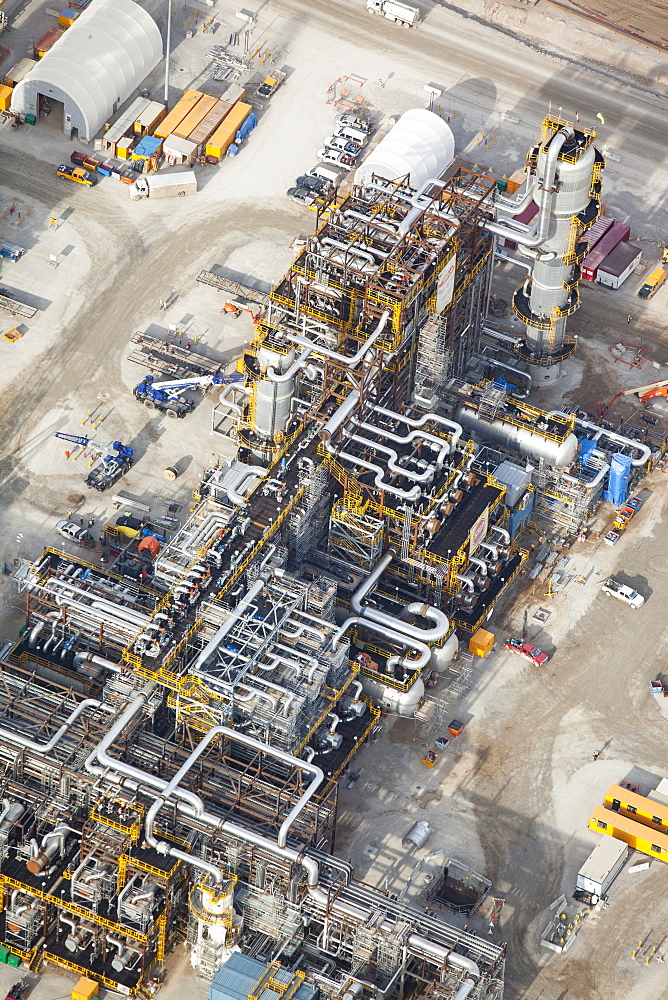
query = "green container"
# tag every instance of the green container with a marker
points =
(501, 185)
(4, 952)
(31, 119)
(14, 960)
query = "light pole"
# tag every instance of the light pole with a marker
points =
(19, 538)
(167, 45)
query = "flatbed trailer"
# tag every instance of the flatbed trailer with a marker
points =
(165, 358)
(15, 308)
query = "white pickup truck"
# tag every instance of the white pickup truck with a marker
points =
(623, 593)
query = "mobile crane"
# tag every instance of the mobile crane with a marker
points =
(111, 467)
(165, 396)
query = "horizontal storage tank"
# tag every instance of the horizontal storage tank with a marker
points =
(420, 145)
(404, 703)
(520, 439)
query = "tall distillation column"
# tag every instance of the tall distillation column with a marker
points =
(564, 181)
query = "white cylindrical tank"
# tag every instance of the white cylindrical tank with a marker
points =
(273, 399)
(403, 703)
(442, 656)
(420, 145)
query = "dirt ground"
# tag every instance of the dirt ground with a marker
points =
(513, 794)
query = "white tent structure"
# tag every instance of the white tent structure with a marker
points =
(420, 145)
(94, 67)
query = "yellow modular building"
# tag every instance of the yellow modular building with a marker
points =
(629, 803)
(637, 836)
(195, 116)
(223, 137)
(178, 113)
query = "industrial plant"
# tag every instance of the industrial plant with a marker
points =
(172, 740)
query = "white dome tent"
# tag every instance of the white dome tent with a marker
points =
(94, 67)
(420, 145)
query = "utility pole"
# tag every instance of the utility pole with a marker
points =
(167, 45)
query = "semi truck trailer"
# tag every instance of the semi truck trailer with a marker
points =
(165, 185)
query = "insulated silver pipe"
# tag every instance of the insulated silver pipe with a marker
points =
(356, 358)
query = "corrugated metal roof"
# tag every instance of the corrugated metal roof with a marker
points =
(235, 980)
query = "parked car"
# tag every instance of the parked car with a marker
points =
(318, 184)
(75, 533)
(354, 121)
(343, 145)
(352, 134)
(334, 156)
(301, 195)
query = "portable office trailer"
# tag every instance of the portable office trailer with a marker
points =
(123, 126)
(637, 807)
(195, 116)
(178, 150)
(637, 836)
(178, 113)
(602, 866)
(619, 265)
(223, 137)
(149, 119)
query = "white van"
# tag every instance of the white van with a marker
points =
(330, 174)
(352, 134)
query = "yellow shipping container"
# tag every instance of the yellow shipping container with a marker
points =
(192, 120)
(5, 97)
(210, 122)
(481, 642)
(150, 118)
(637, 836)
(515, 182)
(223, 137)
(178, 113)
(85, 989)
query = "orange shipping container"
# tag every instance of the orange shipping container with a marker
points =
(178, 113)
(47, 40)
(223, 137)
(5, 97)
(210, 122)
(192, 120)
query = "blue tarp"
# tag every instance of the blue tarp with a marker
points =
(586, 448)
(618, 479)
(246, 128)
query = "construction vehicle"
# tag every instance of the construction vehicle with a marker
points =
(76, 174)
(526, 649)
(623, 593)
(644, 392)
(271, 85)
(165, 396)
(111, 467)
(625, 513)
(234, 308)
(401, 13)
